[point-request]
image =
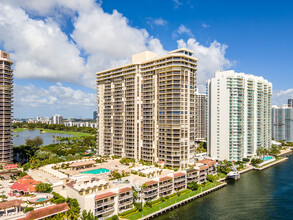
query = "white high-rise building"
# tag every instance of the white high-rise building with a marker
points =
(239, 115)
(57, 119)
(282, 123)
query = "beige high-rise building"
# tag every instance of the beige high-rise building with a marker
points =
(200, 117)
(6, 92)
(146, 108)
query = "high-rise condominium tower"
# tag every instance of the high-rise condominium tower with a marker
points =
(239, 115)
(200, 117)
(282, 123)
(290, 102)
(146, 108)
(57, 119)
(6, 91)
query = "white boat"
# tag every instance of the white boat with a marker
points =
(233, 174)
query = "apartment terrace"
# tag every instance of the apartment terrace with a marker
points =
(104, 204)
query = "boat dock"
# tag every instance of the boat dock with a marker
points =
(157, 213)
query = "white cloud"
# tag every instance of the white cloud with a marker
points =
(160, 22)
(177, 3)
(182, 29)
(204, 25)
(281, 97)
(41, 50)
(210, 59)
(57, 98)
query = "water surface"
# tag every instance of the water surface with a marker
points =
(264, 194)
(20, 137)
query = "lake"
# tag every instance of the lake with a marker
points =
(47, 137)
(264, 194)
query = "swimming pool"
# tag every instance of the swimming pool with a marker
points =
(41, 199)
(267, 158)
(97, 171)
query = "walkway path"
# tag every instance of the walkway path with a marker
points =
(184, 201)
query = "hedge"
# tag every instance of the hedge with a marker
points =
(28, 209)
(123, 214)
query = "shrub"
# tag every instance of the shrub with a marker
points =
(22, 174)
(28, 209)
(211, 178)
(44, 187)
(148, 204)
(256, 161)
(128, 212)
(192, 186)
(138, 206)
(245, 159)
(114, 217)
(57, 199)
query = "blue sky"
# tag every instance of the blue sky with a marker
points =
(58, 45)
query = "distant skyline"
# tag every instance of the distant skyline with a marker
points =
(57, 46)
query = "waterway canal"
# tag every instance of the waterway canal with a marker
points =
(264, 194)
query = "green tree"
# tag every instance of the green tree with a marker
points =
(211, 178)
(114, 217)
(44, 187)
(87, 215)
(192, 186)
(28, 209)
(138, 206)
(34, 142)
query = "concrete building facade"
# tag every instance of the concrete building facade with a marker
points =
(290, 102)
(57, 119)
(146, 108)
(6, 96)
(282, 123)
(239, 115)
(200, 116)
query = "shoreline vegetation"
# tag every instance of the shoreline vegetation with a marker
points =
(175, 201)
(172, 200)
(42, 130)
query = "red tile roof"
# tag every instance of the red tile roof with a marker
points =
(151, 182)
(19, 187)
(208, 162)
(204, 167)
(46, 211)
(165, 178)
(26, 184)
(10, 166)
(179, 174)
(10, 204)
(70, 184)
(104, 195)
(123, 190)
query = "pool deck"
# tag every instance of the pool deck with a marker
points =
(271, 164)
(103, 170)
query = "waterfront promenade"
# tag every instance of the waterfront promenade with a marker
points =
(187, 200)
(184, 201)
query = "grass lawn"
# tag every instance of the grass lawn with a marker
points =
(221, 175)
(146, 211)
(18, 129)
(77, 134)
